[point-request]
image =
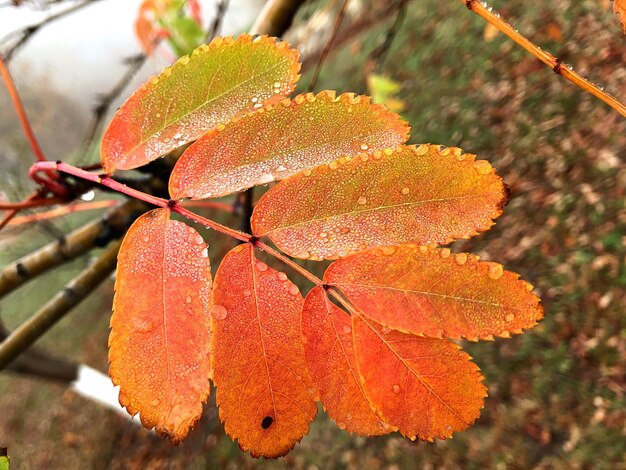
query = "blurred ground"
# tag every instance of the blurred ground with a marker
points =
(557, 393)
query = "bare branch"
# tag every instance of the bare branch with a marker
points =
(276, 17)
(75, 244)
(222, 6)
(329, 44)
(73, 293)
(25, 34)
(556, 64)
(39, 363)
(105, 101)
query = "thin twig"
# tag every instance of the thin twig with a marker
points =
(329, 44)
(73, 293)
(19, 108)
(25, 34)
(556, 64)
(222, 6)
(62, 211)
(105, 101)
(379, 55)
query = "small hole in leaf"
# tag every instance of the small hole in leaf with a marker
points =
(267, 422)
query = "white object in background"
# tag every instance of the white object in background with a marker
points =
(96, 386)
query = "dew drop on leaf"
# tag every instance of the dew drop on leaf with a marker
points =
(219, 312)
(396, 388)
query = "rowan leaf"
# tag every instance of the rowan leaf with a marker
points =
(160, 337)
(282, 140)
(215, 83)
(419, 195)
(329, 352)
(426, 387)
(263, 387)
(429, 291)
(619, 7)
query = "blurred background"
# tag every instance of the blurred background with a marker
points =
(556, 394)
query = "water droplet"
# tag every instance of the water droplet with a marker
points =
(188, 299)
(385, 330)
(482, 167)
(199, 239)
(345, 230)
(396, 388)
(347, 329)
(388, 250)
(261, 266)
(307, 172)
(364, 146)
(184, 60)
(219, 312)
(341, 425)
(405, 190)
(445, 252)
(266, 178)
(205, 253)
(155, 402)
(496, 271)
(282, 276)
(255, 99)
(293, 289)
(509, 317)
(333, 165)
(460, 258)
(362, 200)
(423, 249)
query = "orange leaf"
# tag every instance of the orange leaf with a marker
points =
(426, 387)
(329, 352)
(258, 362)
(215, 83)
(282, 140)
(429, 291)
(160, 338)
(619, 7)
(419, 195)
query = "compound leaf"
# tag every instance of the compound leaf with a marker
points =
(429, 291)
(263, 387)
(281, 140)
(160, 338)
(426, 387)
(199, 92)
(420, 195)
(329, 352)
